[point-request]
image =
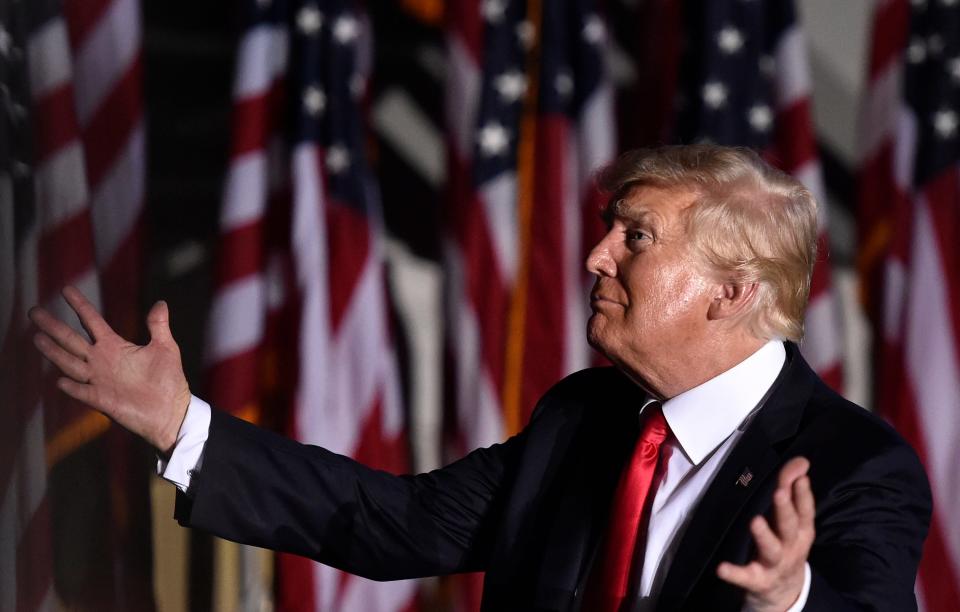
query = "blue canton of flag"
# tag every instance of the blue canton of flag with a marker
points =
(729, 65)
(932, 86)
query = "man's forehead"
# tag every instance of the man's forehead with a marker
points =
(638, 202)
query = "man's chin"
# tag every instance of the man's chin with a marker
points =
(595, 333)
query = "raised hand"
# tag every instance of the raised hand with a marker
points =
(142, 388)
(774, 580)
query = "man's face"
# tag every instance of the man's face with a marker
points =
(652, 294)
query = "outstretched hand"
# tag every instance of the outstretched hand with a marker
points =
(143, 388)
(774, 580)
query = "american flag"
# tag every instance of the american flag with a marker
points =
(910, 209)
(745, 81)
(300, 312)
(72, 97)
(529, 118)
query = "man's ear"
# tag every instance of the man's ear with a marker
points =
(732, 300)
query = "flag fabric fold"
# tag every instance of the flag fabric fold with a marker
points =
(745, 81)
(909, 215)
(299, 334)
(74, 182)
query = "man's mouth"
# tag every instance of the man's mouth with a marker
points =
(598, 301)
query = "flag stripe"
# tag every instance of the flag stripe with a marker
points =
(60, 127)
(48, 58)
(299, 273)
(118, 201)
(908, 200)
(64, 255)
(113, 123)
(251, 124)
(83, 16)
(104, 55)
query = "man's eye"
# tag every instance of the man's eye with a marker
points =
(636, 235)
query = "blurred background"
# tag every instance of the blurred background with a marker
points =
(369, 221)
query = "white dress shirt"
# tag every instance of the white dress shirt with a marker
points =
(705, 424)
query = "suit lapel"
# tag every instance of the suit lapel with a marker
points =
(757, 454)
(594, 459)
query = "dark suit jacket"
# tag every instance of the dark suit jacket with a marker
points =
(531, 511)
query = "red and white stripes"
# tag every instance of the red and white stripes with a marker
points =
(301, 295)
(239, 309)
(795, 149)
(909, 248)
(84, 79)
(106, 40)
(479, 250)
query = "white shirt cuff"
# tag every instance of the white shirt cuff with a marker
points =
(188, 449)
(804, 592)
(801, 599)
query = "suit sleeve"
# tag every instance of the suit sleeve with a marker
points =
(259, 488)
(870, 533)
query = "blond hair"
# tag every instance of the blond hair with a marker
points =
(749, 222)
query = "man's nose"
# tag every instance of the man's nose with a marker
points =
(600, 260)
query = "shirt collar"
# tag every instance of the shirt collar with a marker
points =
(703, 417)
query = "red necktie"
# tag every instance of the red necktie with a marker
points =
(611, 577)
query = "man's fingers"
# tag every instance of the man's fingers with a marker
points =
(793, 469)
(60, 332)
(158, 322)
(748, 577)
(786, 514)
(78, 391)
(69, 364)
(769, 547)
(89, 317)
(804, 502)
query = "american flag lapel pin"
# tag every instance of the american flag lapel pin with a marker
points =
(745, 477)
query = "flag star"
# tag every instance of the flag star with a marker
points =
(345, 29)
(6, 41)
(493, 10)
(767, 65)
(760, 117)
(19, 169)
(337, 158)
(714, 94)
(494, 139)
(511, 86)
(358, 84)
(730, 40)
(917, 51)
(953, 67)
(563, 83)
(945, 123)
(935, 45)
(314, 100)
(525, 34)
(18, 112)
(309, 19)
(594, 31)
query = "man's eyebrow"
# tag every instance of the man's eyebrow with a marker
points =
(623, 210)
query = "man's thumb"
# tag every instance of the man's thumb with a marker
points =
(158, 322)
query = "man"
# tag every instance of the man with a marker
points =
(702, 280)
